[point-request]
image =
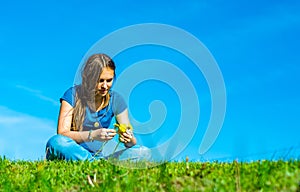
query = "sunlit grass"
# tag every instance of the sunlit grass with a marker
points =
(173, 176)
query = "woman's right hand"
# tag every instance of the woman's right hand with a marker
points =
(103, 134)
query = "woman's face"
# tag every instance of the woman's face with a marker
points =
(105, 81)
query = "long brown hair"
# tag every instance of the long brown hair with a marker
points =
(85, 93)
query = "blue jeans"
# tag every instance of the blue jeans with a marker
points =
(62, 147)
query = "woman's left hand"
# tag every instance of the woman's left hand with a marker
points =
(126, 137)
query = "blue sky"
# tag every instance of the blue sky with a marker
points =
(255, 43)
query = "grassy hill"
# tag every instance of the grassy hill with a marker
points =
(172, 176)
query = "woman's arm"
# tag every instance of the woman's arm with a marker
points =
(128, 139)
(64, 127)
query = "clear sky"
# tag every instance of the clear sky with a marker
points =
(255, 44)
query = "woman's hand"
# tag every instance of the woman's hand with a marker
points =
(103, 134)
(127, 138)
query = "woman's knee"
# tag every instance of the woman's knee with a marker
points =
(145, 152)
(137, 152)
(62, 147)
(58, 140)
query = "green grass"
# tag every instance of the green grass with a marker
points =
(172, 176)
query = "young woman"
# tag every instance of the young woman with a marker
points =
(86, 112)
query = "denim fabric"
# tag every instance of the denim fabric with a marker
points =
(62, 147)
